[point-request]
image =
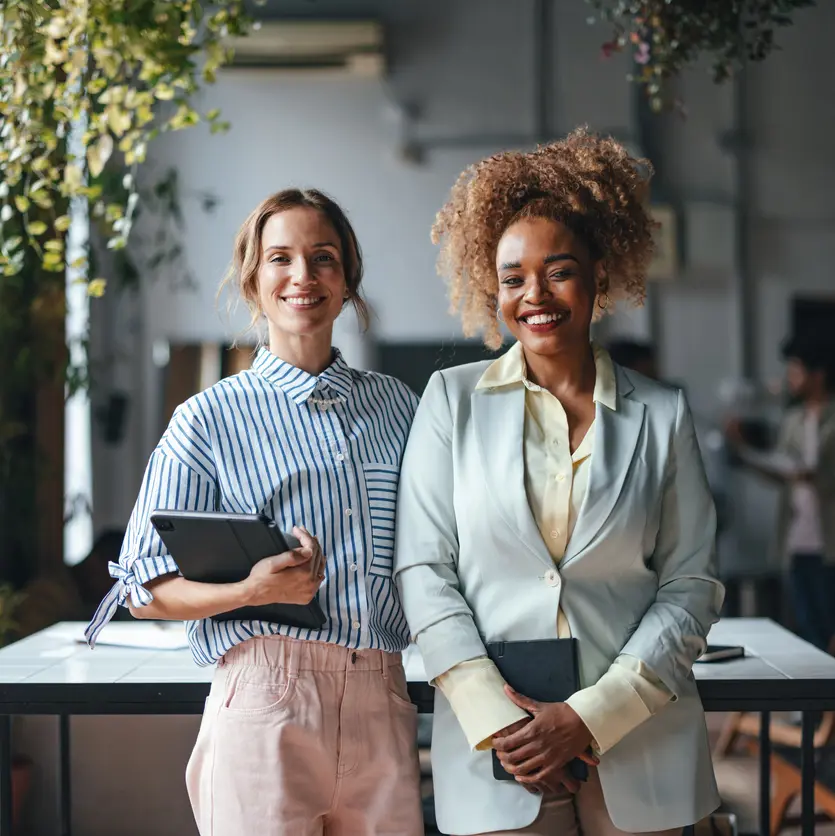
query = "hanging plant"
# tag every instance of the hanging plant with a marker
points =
(84, 81)
(665, 36)
(85, 87)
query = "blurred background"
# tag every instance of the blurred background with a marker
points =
(382, 104)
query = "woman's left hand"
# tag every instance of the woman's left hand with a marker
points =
(555, 736)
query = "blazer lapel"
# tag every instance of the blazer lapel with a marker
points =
(499, 419)
(616, 434)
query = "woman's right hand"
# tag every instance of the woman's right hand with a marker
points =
(293, 577)
(558, 782)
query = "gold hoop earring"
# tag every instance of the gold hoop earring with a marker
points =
(600, 304)
(499, 316)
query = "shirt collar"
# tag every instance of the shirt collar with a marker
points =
(510, 368)
(296, 383)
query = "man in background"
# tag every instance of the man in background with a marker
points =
(802, 464)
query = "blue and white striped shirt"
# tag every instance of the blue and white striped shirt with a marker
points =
(321, 452)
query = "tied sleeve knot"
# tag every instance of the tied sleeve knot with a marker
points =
(127, 586)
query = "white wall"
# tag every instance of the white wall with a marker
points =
(793, 123)
(467, 67)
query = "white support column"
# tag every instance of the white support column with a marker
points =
(78, 464)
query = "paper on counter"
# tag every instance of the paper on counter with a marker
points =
(141, 635)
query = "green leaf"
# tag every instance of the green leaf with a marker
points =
(96, 287)
(99, 153)
(36, 228)
(22, 203)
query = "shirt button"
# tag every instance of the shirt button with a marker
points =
(340, 457)
(552, 578)
(356, 625)
(560, 477)
(353, 567)
(348, 512)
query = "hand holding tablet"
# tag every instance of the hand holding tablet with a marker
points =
(282, 573)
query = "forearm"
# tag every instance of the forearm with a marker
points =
(765, 472)
(773, 465)
(176, 599)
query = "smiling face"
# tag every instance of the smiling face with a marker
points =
(546, 285)
(301, 278)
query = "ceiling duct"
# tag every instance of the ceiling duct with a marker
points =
(351, 46)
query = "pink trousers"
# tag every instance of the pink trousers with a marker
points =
(303, 738)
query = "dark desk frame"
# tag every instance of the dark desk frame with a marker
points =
(809, 696)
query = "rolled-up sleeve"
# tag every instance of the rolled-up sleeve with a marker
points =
(673, 632)
(171, 482)
(475, 693)
(626, 696)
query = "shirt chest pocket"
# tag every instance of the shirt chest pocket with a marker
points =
(381, 493)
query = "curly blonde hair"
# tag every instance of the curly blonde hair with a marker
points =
(589, 183)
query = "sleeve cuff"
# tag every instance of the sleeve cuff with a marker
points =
(129, 585)
(622, 699)
(146, 569)
(475, 692)
(449, 642)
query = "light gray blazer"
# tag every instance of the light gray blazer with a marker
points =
(637, 578)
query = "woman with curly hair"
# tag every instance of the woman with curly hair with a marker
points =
(551, 494)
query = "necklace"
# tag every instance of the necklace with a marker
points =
(324, 403)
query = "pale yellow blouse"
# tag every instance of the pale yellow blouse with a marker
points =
(555, 483)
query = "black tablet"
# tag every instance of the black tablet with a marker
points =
(213, 547)
(546, 670)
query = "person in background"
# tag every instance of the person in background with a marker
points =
(802, 464)
(305, 732)
(70, 593)
(636, 355)
(553, 494)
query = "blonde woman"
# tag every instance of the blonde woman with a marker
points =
(305, 732)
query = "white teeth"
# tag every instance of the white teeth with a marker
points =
(303, 300)
(542, 319)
